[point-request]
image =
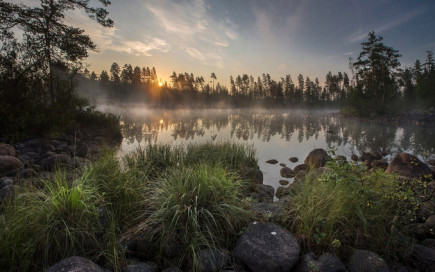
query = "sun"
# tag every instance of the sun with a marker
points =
(160, 84)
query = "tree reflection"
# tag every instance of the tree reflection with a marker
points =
(248, 125)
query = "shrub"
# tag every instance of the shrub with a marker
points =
(351, 206)
(195, 208)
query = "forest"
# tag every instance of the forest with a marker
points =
(377, 86)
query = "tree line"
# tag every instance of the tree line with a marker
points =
(377, 85)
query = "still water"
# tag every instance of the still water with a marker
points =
(274, 134)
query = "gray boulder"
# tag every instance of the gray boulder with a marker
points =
(76, 264)
(142, 267)
(367, 261)
(54, 161)
(326, 263)
(300, 167)
(9, 163)
(423, 258)
(212, 260)
(408, 165)
(263, 193)
(267, 247)
(317, 158)
(6, 149)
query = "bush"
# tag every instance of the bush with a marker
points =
(351, 206)
(195, 208)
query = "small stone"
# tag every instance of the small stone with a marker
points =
(294, 159)
(282, 165)
(287, 172)
(284, 182)
(273, 161)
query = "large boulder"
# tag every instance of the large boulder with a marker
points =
(51, 162)
(367, 261)
(9, 163)
(423, 257)
(75, 264)
(6, 149)
(212, 260)
(317, 158)
(267, 247)
(263, 193)
(142, 267)
(326, 263)
(408, 165)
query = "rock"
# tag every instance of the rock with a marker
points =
(54, 161)
(263, 193)
(9, 163)
(429, 226)
(431, 162)
(6, 149)
(300, 167)
(6, 193)
(142, 267)
(212, 260)
(286, 172)
(5, 182)
(273, 161)
(293, 159)
(172, 269)
(354, 157)
(267, 247)
(27, 160)
(316, 158)
(408, 165)
(367, 261)
(416, 230)
(426, 210)
(423, 258)
(282, 165)
(28, 173)
(139, 248)
(367, 157)
(268, 211)
(284, 191)
(284, 182)
(326, 263)
(48, 148)
(376, 155)
(379, 164)
(258, 176)
(429, 243)
(76, 264)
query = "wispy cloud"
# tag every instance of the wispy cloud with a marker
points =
(360, 35)
(188, 26)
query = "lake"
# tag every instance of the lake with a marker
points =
(275, 134)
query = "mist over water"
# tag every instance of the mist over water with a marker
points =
(275, 134)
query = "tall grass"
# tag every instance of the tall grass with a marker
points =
(350, 206)
(189, 196)
(195, 208)
(44, 226)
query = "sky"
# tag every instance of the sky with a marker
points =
(232, 37)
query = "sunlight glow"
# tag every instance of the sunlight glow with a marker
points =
(161, 121)
(160, 84)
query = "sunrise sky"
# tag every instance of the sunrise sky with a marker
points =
(279, 37)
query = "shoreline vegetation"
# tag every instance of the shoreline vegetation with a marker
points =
(192, 207)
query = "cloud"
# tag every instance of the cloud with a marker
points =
(188, 25)
(359, 36)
